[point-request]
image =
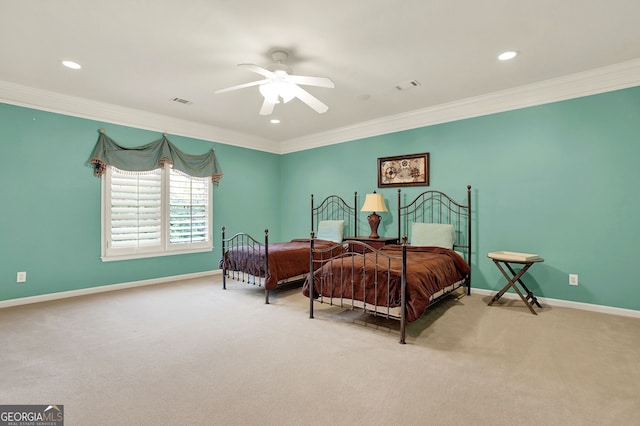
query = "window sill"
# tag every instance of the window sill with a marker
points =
(114, 258)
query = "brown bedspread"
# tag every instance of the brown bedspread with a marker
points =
(286, 260)
(429, 270)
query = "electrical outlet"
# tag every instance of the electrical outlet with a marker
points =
(22, 277)
(573, 279)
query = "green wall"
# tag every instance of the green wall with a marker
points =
(50, 200)
(559, 180)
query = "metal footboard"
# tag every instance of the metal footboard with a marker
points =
(344, 286)
(245, 259)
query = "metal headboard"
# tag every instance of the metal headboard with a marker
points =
(437, 207)
(335, 208)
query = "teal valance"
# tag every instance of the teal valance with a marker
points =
(152, 156)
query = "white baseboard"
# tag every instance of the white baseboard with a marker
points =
(102, 289)
(113, 287)
(567, 304)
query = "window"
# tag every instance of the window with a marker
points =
(155, 213)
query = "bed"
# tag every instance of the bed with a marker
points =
(267, 264)
(399, 281)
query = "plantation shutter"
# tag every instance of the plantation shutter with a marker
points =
(188, 209)
(136, 210)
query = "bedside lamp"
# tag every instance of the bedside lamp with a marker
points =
(374, 203)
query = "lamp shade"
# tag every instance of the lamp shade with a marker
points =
(374, 203)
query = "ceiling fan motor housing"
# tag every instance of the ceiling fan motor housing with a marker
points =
(279, 67)
(279, 55)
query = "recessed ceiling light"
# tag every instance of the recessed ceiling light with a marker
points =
(510, 54)
(275, 121)
(72, 65)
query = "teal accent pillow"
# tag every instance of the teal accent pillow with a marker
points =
(331, 230)
(432, 234)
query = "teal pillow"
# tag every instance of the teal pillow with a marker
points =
(432, 234)
(331, 230)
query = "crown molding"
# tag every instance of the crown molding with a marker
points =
(29, 97)
(600, 80)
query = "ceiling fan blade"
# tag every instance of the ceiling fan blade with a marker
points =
(312, 81)
(241, 86)
(267, 108)
(309, 99)
(255, 68)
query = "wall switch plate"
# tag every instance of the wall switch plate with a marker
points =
(573, 279)
(22, 277)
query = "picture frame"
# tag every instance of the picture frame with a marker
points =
(403, 170)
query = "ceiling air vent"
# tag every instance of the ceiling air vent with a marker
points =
(181, 101)
(406, 85)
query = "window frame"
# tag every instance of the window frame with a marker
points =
(165, 247)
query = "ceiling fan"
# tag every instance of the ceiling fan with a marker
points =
(280, 83)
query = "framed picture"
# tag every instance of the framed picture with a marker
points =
(404, 170)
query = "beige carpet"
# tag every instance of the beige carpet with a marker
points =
(190, 353)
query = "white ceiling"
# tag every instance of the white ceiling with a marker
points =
(138, 55)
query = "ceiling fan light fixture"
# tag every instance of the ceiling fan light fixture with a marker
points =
(273, 91)
(270, 92)
(286, 92)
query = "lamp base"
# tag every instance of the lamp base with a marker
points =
(374, 221)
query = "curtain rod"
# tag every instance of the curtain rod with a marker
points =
(164, 134)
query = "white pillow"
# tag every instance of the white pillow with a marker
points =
(331, 230)
(432, 234)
